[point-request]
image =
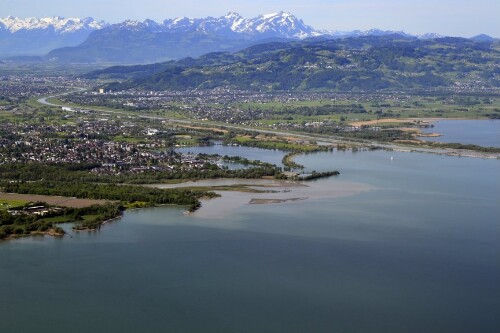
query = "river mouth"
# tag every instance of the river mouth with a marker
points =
(395, 238)
(257, 192)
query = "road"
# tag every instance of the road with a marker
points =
(45, 101)
(315, 137)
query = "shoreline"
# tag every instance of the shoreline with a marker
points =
(230, 184)
(51, 232)
(416, 121)
(301, 135)
(246, 186)
(234, 202)
(274, 201)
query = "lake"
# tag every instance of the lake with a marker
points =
(252, 153)
(408, 244)
(485, 133)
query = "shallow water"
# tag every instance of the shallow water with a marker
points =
(412, 247)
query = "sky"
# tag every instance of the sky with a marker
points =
(447, 17)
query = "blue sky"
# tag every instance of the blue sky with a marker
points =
(454, 18)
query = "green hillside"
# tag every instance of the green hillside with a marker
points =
(353, 64)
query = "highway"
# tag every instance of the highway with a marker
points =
(328, 139)
(315, 137)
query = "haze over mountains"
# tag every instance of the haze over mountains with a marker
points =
(148, 41)
(74, 40)
(368, 63)
(38, 36)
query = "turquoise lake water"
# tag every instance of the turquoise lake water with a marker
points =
(408, 244)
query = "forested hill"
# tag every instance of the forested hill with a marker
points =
(363, 64)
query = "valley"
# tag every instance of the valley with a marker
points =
(249, 173)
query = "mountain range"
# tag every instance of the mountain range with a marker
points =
(369, 63)
(38, 36)
(73, 40)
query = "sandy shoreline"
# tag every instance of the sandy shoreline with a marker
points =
(273, 201)
(232, 182)
(288, 193)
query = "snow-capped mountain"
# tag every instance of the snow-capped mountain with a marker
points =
(276, 25)
(378, 32)
(37, 36)
(89, 40)
(149, 41)
(282, 25)
(430, 35)
(57, 24)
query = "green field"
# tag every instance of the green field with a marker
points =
(280, 145)
(8, 204)
(470, 107)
